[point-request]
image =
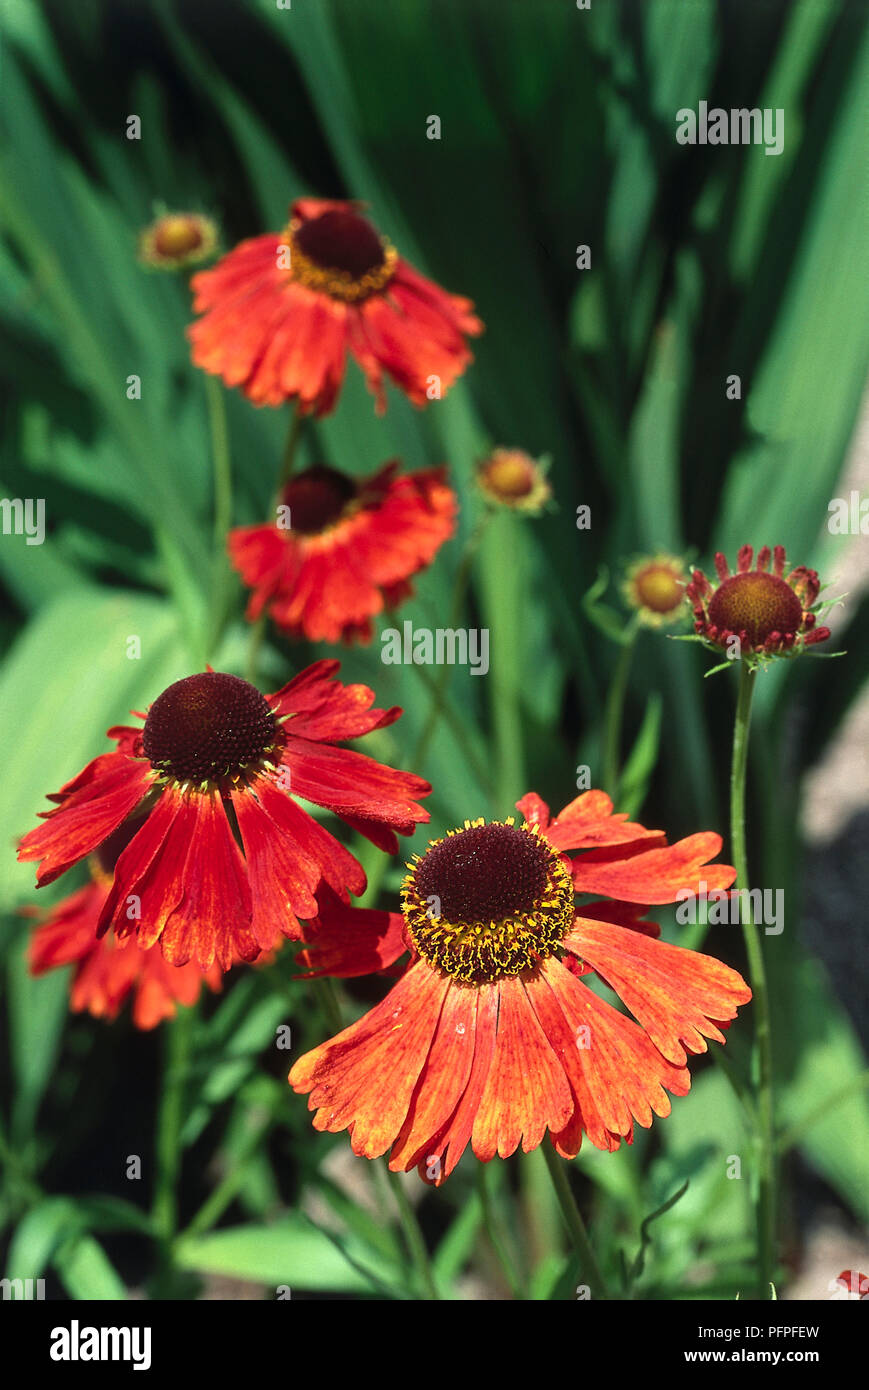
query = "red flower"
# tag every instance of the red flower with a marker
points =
(107, 970)
(490, 1038)
(344, 941)
(856, 1283)
(281, 312)
(343, 549)
(225, 857)
(771, 614)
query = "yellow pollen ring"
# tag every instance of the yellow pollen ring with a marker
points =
(340, 284)
(481, 952)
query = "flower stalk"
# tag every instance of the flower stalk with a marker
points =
(766, 1201)
(589, 1267)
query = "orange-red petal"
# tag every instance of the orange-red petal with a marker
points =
(656, 875)
(678, 996)
(364, 1078)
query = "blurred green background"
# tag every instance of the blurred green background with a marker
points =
(558, 129)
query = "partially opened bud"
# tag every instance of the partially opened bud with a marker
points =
(655, 588)
(176, 240)
(513, 479)
(770, 613)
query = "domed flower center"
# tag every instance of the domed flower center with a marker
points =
(509, 474)
(755, 603)
(341, 240)
(317, 499)
(659, 589)
(340, 254)
(177, 235)
(208, 727)
(488, 901)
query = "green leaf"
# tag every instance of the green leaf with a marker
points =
(37, 1011)
(368, 1229)
(227, 1070)
(38, 1235)
(291, 1252)
(457, 1243)
(86, 1271)
(639, 1262)
(805, 391)
(67, 680)
(638, 769)
(829, 1059)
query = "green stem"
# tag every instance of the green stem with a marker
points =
(288, 461)
(503, 593)
(615, 707)
(324, 989)
(457, 723)
(215, 1205)
(766, 1199)
(460, 588)
(576, 1227)
(376, 867)
(486, 1174)
(539, 1208)
(413, 1237)
(178, 1041)
(222, 469)
(257, 633)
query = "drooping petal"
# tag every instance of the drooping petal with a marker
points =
(212, 918)
(628, 915)
(332, 594)
(365, 1077)
(162, 986)
(616, 1074)
(353, 784)
(526, 1090)
(322, 709)
(657, 875)
(391, 332)
(69, 932)
(678, 996)
(93, 805)
(147, 882)
(346, 941)
(267, 561)
(438, 1157)
(413, 516)
(336, 864)
(108, 970)
(442, 1082)
(305, 356)
(282, 876)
